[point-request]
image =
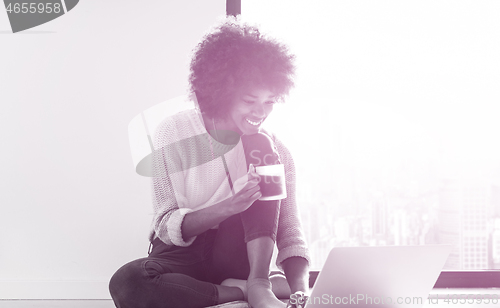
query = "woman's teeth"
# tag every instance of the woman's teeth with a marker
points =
(253, 123)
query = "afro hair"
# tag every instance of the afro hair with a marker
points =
(233, 57)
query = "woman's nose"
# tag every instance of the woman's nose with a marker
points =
(259, 110)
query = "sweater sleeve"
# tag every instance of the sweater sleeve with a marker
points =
(169, 202)
(290, 238)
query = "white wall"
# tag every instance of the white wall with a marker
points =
(72, 209)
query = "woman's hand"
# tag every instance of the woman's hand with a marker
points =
(248, 191)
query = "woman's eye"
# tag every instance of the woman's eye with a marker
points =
(249, 102)
(270, 102)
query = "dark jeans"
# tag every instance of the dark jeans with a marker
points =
(173, 276)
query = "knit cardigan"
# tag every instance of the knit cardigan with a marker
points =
(196, 178)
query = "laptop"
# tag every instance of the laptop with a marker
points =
(382, 276)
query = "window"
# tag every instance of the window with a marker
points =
(393, 123)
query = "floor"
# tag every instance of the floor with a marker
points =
(109, 304)
(447, 298)
(90, 303)
(82, 304)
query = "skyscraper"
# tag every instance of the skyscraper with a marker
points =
(463, 215)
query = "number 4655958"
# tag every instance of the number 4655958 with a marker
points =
(40, 8)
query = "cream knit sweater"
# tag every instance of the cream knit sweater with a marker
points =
(196, 178)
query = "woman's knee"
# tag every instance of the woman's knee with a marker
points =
(125, 282)
(260, 150)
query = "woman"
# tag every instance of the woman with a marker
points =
(212, 239)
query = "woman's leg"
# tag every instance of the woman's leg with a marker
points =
(229, 258)
(152, 283)
(169, 277)
(246, 254)
(260, 224)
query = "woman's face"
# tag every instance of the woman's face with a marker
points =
(249, 109)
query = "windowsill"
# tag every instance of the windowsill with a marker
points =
(463, 297)
(469, 279)
(443, 293)
(487, 279)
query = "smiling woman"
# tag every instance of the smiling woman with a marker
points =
(212, 234)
